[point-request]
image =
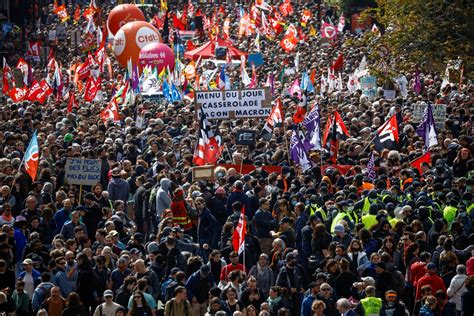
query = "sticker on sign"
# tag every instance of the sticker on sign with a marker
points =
(229, 104)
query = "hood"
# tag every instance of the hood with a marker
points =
(165, 184)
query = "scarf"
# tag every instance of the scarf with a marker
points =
(262, 270)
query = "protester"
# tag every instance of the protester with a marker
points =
(349, 189)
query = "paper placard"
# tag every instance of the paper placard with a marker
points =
(82, 171)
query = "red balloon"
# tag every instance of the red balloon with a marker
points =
(131, 38)
(121, 15)
(156, 55)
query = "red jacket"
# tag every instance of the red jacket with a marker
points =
(433, 280)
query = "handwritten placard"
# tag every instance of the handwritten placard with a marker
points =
(82, 171)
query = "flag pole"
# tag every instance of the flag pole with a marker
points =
(370, 143)
(286, 141)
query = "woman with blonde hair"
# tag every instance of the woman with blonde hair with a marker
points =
(318, 308)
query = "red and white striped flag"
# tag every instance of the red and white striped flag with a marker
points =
(238, 238)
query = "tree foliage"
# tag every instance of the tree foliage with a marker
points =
(424, 33)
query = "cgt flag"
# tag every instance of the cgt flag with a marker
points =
(387, 135)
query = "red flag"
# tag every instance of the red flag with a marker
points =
(190, 46)
(62, 13)
(298, 117)
(91, 89)
(313, 76)
(307, 15)
(17, 94)
(340, 127)
(338, 63)
(289, 42)
(83, 70)
(178, 24)
(286, 8)
(238, 238)
(72, 101)
(34, 91)
(207, 149)
(89, 13)
(387, 135)
(33, 52)
(110, 112)
(418, 161)
(25, 69)
(77, 14)
(328, 31)
(45, 91)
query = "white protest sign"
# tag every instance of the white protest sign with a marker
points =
(82, 171)
(439, 113)
(389, 94)
(229, 104)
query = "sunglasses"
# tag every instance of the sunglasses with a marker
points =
(325, 289)
(137, 297)
(108, 296)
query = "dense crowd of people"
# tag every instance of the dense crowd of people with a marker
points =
(149, 240)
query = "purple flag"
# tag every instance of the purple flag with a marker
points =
(371, 169)
(312, 140)
(298, 153)
(427, 128)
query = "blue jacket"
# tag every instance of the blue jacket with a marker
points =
(237, 196)
(61, 217)
(306, 305)
(195, 282)
(68, 230)
(118, 189)
(60, 279)
(39, 295)
(20, 243)
(263, 223)
(36, 276)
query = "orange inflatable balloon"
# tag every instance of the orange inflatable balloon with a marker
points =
(131, 38)
(123, 14)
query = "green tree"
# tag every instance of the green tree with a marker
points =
(426, 33)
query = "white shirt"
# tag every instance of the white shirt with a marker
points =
(29, 284)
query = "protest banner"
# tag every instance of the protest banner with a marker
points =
(230, 104)
(82, 171)
(439, 114)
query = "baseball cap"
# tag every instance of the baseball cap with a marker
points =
(368, 280)
(108, 293)
(339, 228)
(27, 261)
